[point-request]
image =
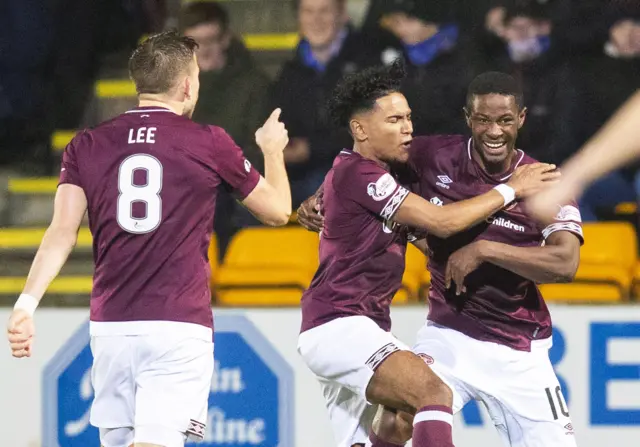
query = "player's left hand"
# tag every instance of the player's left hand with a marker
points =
(460, 264)
(20, 332)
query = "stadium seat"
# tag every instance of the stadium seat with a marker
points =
(280, 261)
(608, 261)
(610, 243)
(30, 238)
(412, 280)
(635, 285)
(582, 293)
(213, 258)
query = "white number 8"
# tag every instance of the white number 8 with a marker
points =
(131, 193)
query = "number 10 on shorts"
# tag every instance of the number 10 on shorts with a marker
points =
(555, 396)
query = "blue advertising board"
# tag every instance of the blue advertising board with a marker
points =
(250, 403)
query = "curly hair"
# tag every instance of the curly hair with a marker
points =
(360, 91)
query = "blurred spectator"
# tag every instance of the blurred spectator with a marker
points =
(233, 92)
(518, 41)
(329, 49)
(604, 82)
(438, 64)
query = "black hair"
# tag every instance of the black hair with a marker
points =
(202, 12)
(296, 4)
(360, 91)
(495, 82)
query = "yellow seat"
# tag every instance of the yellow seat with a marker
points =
(581, 293)
(81, 285)
(415, 266)
(280, 260)
(260, 297)
(607, 262)
(635, 285)
(610, 243)
(604, 274)
(213, 258)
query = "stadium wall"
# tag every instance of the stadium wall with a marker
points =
(262, 394)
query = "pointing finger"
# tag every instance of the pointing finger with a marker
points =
(275, 115)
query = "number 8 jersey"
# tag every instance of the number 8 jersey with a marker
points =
(151, 179)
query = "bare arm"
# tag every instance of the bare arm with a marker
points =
(613, 146)
(445, 221)
(58, 241)
(267, 204)
(556, 261)
(270, 201)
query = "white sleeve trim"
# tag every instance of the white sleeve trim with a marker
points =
(573, 227)
(394, 203)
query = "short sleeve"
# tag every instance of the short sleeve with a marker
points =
(567, 219)
(371, 187)
(69, 172)
(232, 165)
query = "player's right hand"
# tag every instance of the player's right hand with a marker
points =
(309, 214)
(533, 178)
(20, 332)
(273, 136)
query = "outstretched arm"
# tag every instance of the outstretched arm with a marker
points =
(444, 221)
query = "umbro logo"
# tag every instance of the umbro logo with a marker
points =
(444, 181)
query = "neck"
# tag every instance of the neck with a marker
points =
(145, 100)
(367, 152)
(494, 168)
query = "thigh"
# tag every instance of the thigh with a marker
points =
(113, 382)
(173, 384)
(447, 360)
(528, 408)
(347, 351)
(350, 414)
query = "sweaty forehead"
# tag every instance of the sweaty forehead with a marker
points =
(495, 104)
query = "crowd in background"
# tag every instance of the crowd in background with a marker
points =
(577, 62)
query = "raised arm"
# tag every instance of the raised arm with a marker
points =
(445, 221)
(270, 201)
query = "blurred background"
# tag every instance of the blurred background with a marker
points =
(63, 67)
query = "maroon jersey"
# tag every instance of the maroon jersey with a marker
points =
(361, 252)
(499, 306)
(150, 178)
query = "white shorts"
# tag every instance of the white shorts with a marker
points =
(150, 388)
(343, 354)
(520, 389)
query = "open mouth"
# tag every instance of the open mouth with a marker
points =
(406, 144)
(495, 148)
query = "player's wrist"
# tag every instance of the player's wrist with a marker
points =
(507, 192)
(26, 303)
